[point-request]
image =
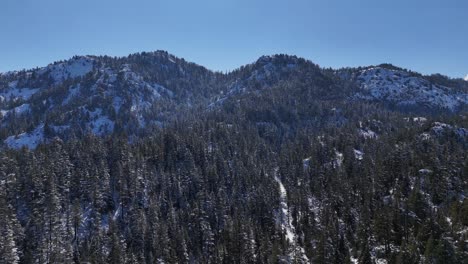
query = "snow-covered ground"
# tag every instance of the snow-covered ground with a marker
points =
(339, 158)
(77, 67)
(72, 93)
(439, 128)
(13, 93)
(285, 220)
(359, 155)
(406, 89)
(306, 163)
(367, 133)
(24, 108)
(30, 140)
(100, 124)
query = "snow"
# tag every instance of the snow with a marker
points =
(24, 108)
(12, 84)
(306, 163)
(159, 89)
(380, 261)
(73, 92)
(466, 78)
(286, 219)
(419, 119)
(449, 220)
(101, 124)
(30, 140)
(314, 206)
(109, 73)
(117, 103)
(117, 213)
(425, 136)
(405, 89)
(439, 127)
(15, 93)
(74, 68)
(359, 155)
(367, 133)
(59, 129)
(425, 171)
(339, 159)
(144, 93)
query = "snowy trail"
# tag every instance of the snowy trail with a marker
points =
(286, 219)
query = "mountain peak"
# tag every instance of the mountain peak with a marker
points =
(280, 59)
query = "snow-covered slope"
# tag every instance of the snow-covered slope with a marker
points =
(89, 94)
(13, 93)
(99, 95)
(404, 88)
(76, 67)
(285, 221)
(29, 140)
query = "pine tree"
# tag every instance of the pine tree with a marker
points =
(9, 251)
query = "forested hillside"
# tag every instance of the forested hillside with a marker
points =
(152, 159)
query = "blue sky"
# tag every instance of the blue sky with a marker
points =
(426, 36)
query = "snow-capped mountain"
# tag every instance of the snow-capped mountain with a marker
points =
(157, 160)
(404, 88)
(98, 95)
(134, 94)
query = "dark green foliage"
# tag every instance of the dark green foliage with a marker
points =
(201, 188)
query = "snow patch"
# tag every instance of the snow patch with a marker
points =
(359, 155)
(286, 219)
(73, 92)
(117, 103)
(14, 93)
(405, 89)
(60, 129)
(338, 160)
(30, 140)
(24, 108)
(419, 119)
(306, 163)
(74, 68)
(425, 171)
(100, 124)
(367, 133)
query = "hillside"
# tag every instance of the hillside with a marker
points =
(134, 94)
(149, 158)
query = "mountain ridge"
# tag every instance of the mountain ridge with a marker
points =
(137, 93)
(152, 159)
(383, 64)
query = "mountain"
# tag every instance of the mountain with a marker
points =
(134, 94)
(149, 158)
(404, 88)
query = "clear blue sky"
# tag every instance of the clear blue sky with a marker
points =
(427, 36)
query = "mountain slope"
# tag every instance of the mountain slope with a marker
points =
(137, 93)
(151, 159)
(404, 88)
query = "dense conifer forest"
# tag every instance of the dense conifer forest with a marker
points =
(152, 159)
